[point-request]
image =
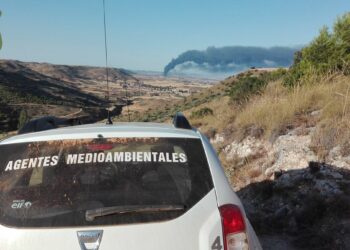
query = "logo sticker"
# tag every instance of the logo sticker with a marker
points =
(16, 204)
(90, 240)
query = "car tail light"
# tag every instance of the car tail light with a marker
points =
(233, 228)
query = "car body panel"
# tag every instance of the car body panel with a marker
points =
(196, 229)
(224, 192)
(98, 130)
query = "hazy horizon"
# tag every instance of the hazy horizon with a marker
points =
(148, 35)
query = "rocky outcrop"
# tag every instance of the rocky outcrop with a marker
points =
(288, 152)
(290, 196)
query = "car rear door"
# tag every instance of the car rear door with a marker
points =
(198, 228)
(46, 189)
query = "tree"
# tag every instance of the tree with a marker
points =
(342, 37)
(322, 52)
(328, 52)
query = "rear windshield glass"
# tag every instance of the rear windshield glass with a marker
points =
(55, 183)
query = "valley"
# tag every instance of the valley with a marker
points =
(32, 90)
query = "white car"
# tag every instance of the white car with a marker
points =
(128, 186)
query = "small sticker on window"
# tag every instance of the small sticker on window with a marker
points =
(17, 204)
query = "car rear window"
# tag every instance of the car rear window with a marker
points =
(54, 183)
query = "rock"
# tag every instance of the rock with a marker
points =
(246, 148)
(292, 225)
(284, 181)
(293, 152)
(314, 167)
(336, 175)
(256, 132)
(316, 112)
(327, 187)
(336, 158)
(277, 174)
(218, 138)
(288, 152)
(329, 171)
(282, 212)
(269, 172)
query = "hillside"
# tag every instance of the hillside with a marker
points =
(33, 90)
(47, 89)
(25, 84)
(74, 73)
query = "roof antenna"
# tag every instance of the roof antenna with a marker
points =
(109, 120)
(127, 99)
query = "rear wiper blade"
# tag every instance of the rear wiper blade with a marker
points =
(90, 215)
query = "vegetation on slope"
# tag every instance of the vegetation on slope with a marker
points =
(249, 85)
(279, 108)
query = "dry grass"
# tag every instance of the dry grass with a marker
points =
(223, 114)
(4, 135)
(278, 107)
(331, 133)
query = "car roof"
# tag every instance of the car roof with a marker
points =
(122, 129)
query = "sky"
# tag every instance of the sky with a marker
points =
(147, 34)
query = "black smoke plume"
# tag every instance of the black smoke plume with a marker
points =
(231, 59)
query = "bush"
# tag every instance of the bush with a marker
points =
(245, 87)
(275, 75)
(202, 112)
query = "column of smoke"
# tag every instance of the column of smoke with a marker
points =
(230, 59)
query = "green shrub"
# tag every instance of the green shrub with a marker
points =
(274, 75)
(202, 112)
(245, 87)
